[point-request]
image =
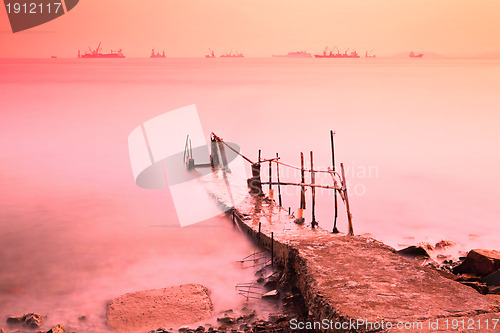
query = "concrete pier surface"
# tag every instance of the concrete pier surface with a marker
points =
(357, 284)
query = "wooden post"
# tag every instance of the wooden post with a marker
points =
(223, 156)
(335, 230)
(255, 183)
(349, 216)
(300, 215)
(258, 241)
(278, 175)
(313, 193)
(272, 248)
(271, 191)
(214, 157)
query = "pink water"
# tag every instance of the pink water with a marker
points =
(419, 140)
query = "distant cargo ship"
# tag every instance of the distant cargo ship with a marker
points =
(300, 54)
(369, 56)
(330, 54)
(98, 54)
(211, 54)
(157, 55)
(416, 55)
(232, 55)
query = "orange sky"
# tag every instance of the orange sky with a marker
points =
(262, 27)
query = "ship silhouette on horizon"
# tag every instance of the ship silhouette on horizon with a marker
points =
(97, 53)
(232, 55)
(157, 55)
(298, 54)
(330, 54)
(415, 55)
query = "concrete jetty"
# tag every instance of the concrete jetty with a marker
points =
(354, 283)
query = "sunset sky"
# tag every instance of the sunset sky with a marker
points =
(262, 27)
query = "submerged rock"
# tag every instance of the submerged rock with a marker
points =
(479, 262)
(413, 252)
(32, 320)
(444, 244)
(227, 320)
(165, 307)
(57, 329)
(273, 294)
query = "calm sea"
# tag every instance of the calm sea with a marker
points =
(419, 139)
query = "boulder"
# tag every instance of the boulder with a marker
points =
(479, 262)
(493, 279)
(468, 278)
(273, 294)
(167, 307)
(32, 320)
(57, 329)
(419, 251)
(227, 320)
(480, 287)
(15, 319)
(443, 244)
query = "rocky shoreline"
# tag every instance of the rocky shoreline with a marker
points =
(478, 269)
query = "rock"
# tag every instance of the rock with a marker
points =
(33, 320)
(200, 329)
(480, 287)
(271, 284)
(82, 318)
(413, 252)
(15, 319)
(165, 307)
(291, 298)
(246, 317)
(443, 244)
(493, 279)
(227, 320)
(273, 294)
(2, 330)
(57, 329)
(479, 262)
(468, 278)
(159, 330)
(494, 290)
(278, 318)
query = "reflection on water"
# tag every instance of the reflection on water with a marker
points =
(75, 229)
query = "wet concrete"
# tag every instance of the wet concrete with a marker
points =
(347, 279)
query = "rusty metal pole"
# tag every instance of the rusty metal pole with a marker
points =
(335, 230)
(223, 156)
(349, 216)
(258, 241)
(313, 193)
(300, 215)
(214, 157)
(278, 175)
(272, 248)
(271, 191)
(255, 183)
